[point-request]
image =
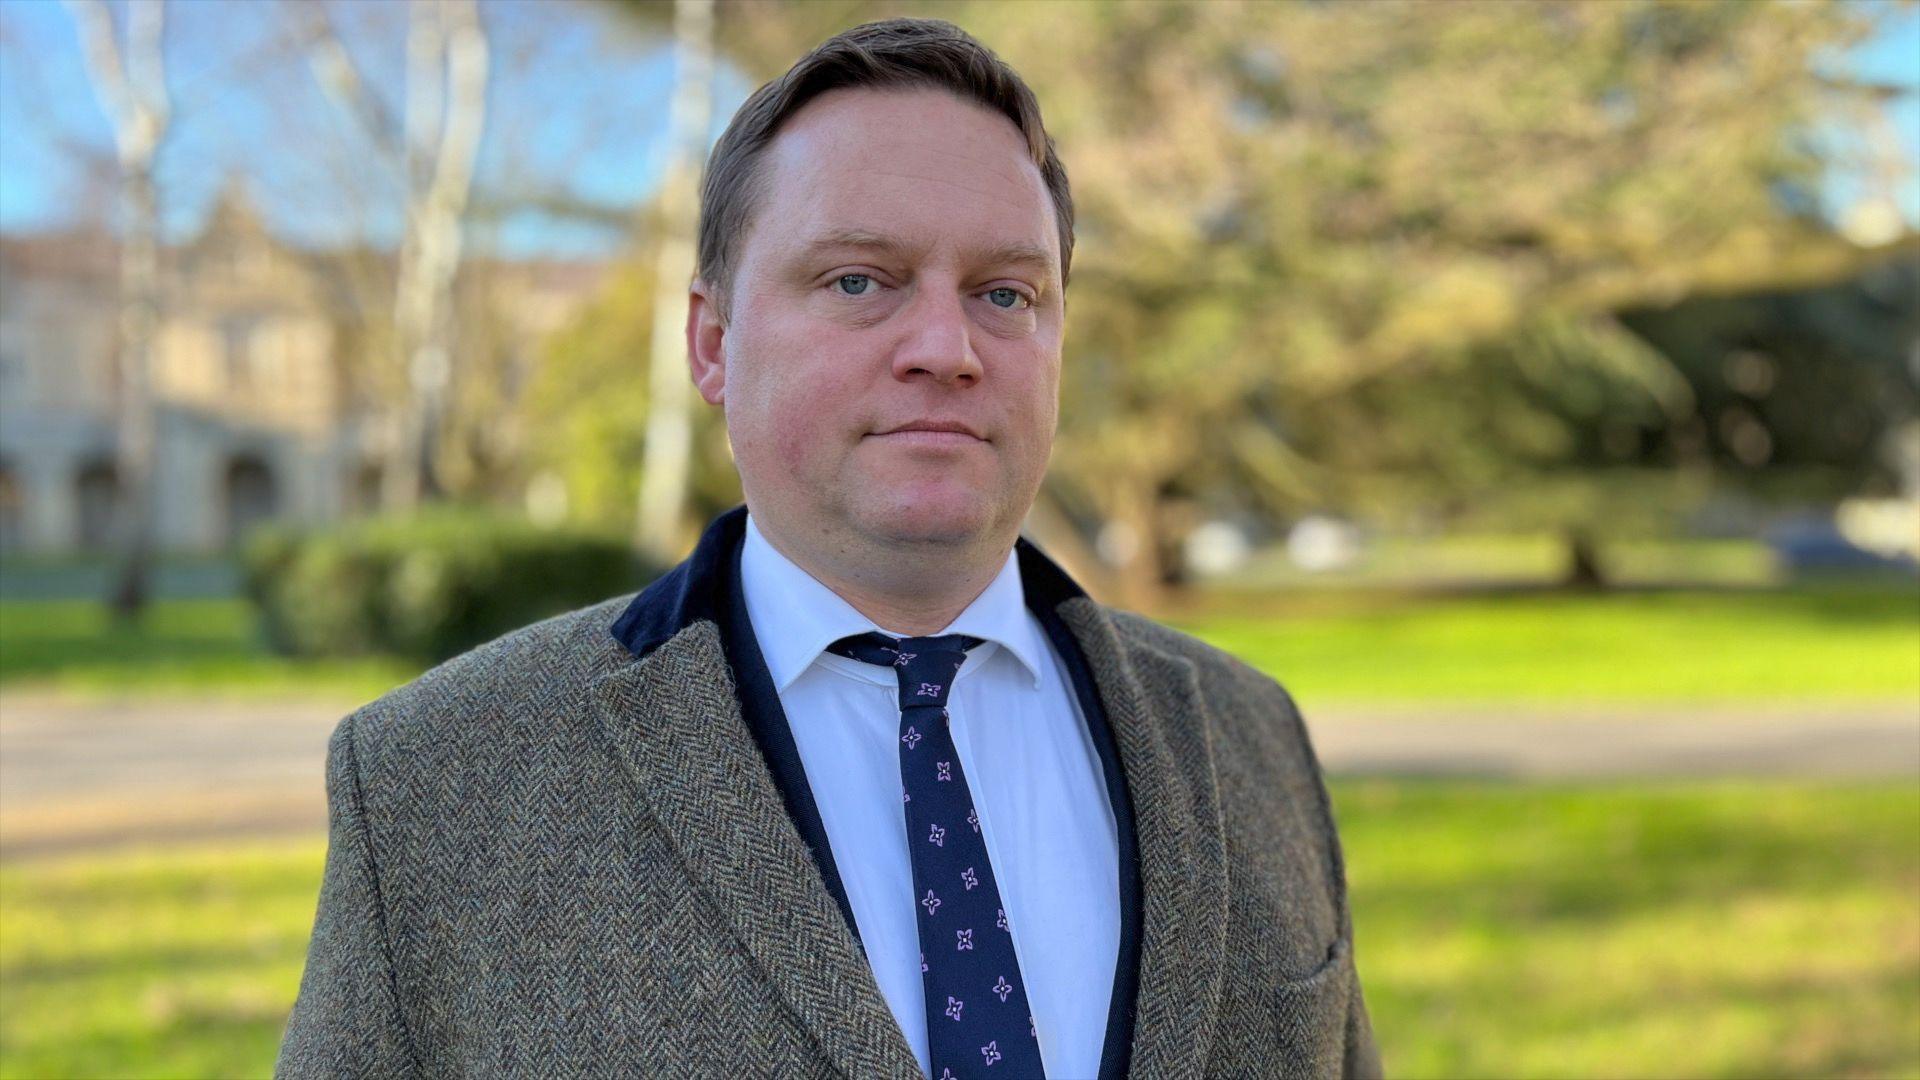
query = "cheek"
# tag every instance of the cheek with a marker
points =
(795, 413)
(1040, 404)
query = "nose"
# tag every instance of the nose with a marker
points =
(937, 339)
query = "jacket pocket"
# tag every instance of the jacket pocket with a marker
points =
(1310, 1016)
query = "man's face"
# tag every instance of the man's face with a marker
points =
(902, 266)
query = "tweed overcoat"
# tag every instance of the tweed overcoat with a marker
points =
(549, 857)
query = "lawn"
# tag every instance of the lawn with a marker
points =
(1831, 642)
(1677, 929)
(192, 647)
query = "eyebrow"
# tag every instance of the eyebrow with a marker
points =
(1021, 252)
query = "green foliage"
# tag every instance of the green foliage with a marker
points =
(586, 407)
(586, 410)
(1371, 256)
(1375, 257)
(430, 585)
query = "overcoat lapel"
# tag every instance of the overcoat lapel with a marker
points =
(675, 722)
(1153, 704)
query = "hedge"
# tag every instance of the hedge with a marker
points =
(428, 585)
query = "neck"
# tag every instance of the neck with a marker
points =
(915, 597)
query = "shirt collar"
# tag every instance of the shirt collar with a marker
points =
(699, 588)
(805, 616)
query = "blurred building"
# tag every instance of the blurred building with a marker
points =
(266, 395)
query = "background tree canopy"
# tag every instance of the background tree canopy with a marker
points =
(1440, 262)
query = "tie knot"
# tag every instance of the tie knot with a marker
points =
(924, 666)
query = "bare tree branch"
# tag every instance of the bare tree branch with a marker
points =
(340, 77)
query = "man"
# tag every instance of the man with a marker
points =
(867, 786)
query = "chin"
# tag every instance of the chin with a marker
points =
(950, 518)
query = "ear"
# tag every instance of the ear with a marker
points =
(706, 343)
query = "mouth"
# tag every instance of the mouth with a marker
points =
(930, 433)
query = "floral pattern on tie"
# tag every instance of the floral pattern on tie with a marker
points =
(955, 962)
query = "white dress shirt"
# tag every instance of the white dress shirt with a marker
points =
(1036, 781)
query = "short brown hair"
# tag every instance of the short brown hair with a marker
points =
(889, 53)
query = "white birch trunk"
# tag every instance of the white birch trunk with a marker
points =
(133, 93)
(446, 113)
(663, 481)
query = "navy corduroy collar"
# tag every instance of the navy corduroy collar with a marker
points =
(698, 588)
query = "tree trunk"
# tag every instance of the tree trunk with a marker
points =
(139, 274)
(131, 86)
(663, 480)
(1136, 568)
(1583, 563)
(1055, 535)
(446, 112)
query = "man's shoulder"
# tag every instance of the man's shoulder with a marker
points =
(1250, 710)
(1220, 673)
(523, 673)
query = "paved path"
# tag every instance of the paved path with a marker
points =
(1540, 742)
(76, 774)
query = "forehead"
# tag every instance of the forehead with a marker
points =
(921, 167)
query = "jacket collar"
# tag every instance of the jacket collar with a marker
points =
(695, 589)
(673, 718)
(811, 616)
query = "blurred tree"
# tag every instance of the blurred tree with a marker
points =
(1373, 257)
(1333, 250)
(1800, 390)
(583, 408)
(131, 83)
(660, 522)
(433, 145)
(582, 411)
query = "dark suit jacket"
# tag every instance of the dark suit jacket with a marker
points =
(556, 855)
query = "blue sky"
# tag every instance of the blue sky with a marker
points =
(577, 100)
(578, 96)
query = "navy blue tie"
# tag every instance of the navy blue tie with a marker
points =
(978, 1020)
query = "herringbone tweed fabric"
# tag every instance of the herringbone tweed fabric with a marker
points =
(550, 858)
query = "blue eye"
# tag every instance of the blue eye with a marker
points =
(1013, 296)
(862, 278)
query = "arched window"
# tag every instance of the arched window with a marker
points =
(12, 508)
(250, 494)
(97, 495)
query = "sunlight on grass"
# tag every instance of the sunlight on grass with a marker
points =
(1832, 642)
(1828, 644)
(174, 962)
(1677, 929)
(1672, 929)
(196, 647)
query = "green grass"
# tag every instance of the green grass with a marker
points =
(178, 962)
(1833, 642)
(1679, 929)
(1691, 929)
(197, 647)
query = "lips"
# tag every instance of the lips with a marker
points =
(951, 427)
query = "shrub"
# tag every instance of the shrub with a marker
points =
(428, 585)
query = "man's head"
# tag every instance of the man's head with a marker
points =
(884, 240)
